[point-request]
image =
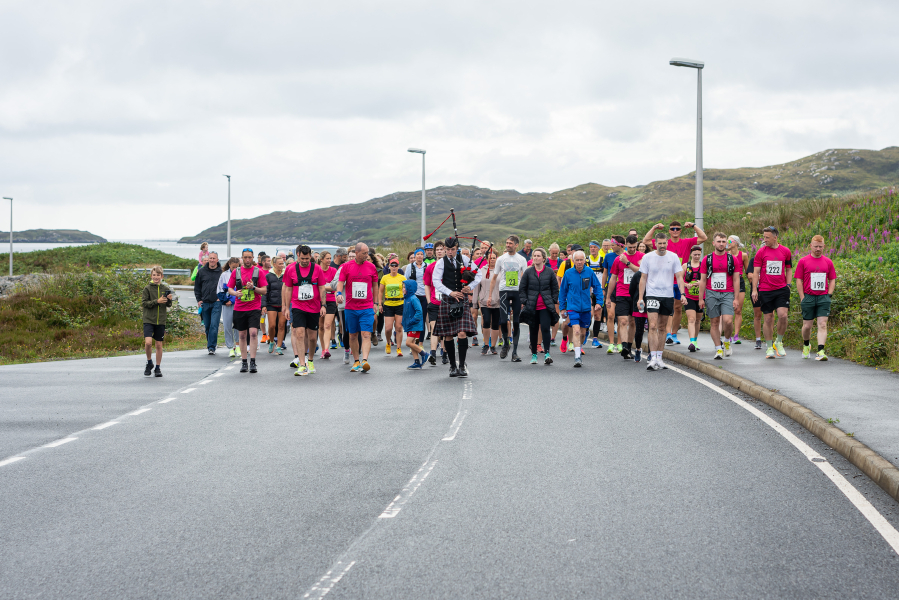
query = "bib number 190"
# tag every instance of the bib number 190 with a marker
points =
(818, 281)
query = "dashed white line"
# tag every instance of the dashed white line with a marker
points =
(218, 374)
(396, 506)
(329, 580)
(105, 425)
(10, 461)
(883, 527)
(59, 442)
(138, 412)
(454, 428)
(205, 381)
(166, 401)
(188, 390)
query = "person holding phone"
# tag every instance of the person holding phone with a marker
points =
(156, 298)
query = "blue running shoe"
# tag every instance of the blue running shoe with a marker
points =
(596, 343)
(414, 366)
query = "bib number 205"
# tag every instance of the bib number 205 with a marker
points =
(719, 282)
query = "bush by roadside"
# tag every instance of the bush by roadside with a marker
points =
(93, 257)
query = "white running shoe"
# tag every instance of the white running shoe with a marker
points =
(660, 364)
(727, 349)
(651, 363)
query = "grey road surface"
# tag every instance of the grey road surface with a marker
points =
(519, 482)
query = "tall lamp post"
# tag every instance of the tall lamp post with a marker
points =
(423, 193)
(698, 65)
(229, 214)
(10, 234)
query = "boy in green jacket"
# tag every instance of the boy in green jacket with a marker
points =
(157, 297)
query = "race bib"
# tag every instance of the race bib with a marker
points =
(393, 291)
(360, 290)
(511, 278)
(693, 290)
(775, 267)
(247, 295)
(719, 282)
(628, 275)
(819, 282)
(304, 292)
(652, 303)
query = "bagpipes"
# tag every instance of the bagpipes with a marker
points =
(468, 272)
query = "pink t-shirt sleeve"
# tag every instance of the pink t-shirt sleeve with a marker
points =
(233, 278)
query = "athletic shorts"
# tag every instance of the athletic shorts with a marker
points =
(676, 292)
(415, 335)
(393, 311)
(756, 303)
(813, 306)
(331, 307)
(742, 285)
(693, 305)
(272, 308)
(358, 321)
(613, 298)
(433, 311)
(581, 319)
(624, 307)
(244, 320)
(157, 332)
(771, 300)
(301, 319)
(719, 303)
(490, 317)
(663, 306)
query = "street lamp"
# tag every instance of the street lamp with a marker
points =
(229, 214)
(698, 65)
(10, 234)
(423, 194)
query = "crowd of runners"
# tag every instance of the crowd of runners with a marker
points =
(441, 300)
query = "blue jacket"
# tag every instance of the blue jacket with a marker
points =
(413, 319)
(575, 289)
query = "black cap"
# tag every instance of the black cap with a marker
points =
(576, 247)
(451, 242)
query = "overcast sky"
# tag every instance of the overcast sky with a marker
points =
(121, 117)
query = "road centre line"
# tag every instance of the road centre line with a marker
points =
(329, 580)
(10, 461)
(407, 492)
(167, 400)
(104, 425)
(205, 381)
(59, 442)
(454, 428)
(217, 374)
(138, 412)
(883, 527)
(188, 390)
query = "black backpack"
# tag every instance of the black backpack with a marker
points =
(238, 281)
(730, 265)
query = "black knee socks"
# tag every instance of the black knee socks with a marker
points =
(463, 350)
(596, 328)
(450, 347)
(639, 324)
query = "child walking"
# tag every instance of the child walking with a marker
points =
(157, 298)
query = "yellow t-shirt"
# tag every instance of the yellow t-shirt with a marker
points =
(393, 289)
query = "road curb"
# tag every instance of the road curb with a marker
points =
(880, 470)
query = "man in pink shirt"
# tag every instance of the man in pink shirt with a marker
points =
(774, 263)
(359, 278)
(304, 283)
(817, 278)
(681, 247)
(244, 284)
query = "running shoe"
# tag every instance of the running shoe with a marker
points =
(818, 356)
(380, 339)
(365, 366)
(157, 372)
(333, 345)
(779, 349)
(295, 363)
(374, 340)
(356, 368)
(651, 365)
(504, 352)
(311, 366)
(253, 366)
(596, 343)
(243, 366)
(578, 363)
(500, 342)
(636, 356)
(445, 358)
(769, 353)
(414, 366)
(539, 348)
(626, 354)
(346, 357)
(719, 354)
(484, 349)
(326, 355)
(433, 360)
(399, 353)
(463, 371)
(564, 347)
(388, 348)
(283, 346)
(264, 339)
(610, 349)
(301, 371)
(515, 357)
(453, 372)
(736, 340)
(474, 342)
(669, 341)
(691, 347)
(493, 350)
(280, 351)
(271, 347)
(676, 343)
(533, 359)
(758, 344)
(547, 359)
(148, 370)
(660, 364)
(233, 352)
(211, 351)
(619, 347)
(727, 350)
(553, 343)
(806, 352)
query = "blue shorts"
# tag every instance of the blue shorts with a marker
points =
(581, 319)
(359, 320)
(676, 292)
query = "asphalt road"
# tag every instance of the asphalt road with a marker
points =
(519, 482)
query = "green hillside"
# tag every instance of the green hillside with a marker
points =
(93, 257)
(493, 214)
(52, 236)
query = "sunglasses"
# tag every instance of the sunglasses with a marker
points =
(674, 229)
(250, 250)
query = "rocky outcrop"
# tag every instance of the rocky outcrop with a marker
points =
(10, 285)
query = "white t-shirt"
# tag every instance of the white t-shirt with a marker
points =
(659, 271)
(509, 269)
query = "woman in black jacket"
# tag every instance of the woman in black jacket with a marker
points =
(539, 291)
(273, 300)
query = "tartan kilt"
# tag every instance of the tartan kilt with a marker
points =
(449, 327)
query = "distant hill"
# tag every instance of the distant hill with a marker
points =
(52, 236)
(493, 214)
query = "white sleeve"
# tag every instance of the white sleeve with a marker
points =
(437, 278)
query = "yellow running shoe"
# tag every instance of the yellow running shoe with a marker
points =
(806, 351)
(820, 355)
(388, 348)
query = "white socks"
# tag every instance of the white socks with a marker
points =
(577, 352)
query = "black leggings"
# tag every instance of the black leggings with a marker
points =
(640, 324)
(541, 321)
(490, 317)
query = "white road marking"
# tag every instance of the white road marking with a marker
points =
(138, 412)
(396, 506)
(454, 427)
(188, 390)
(105, 425)
(59, 442)
(205, 381)
(10, 461)
(229, 368)
(218, 374)
(166, 401)
(329, 580)
(883, 527)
